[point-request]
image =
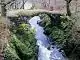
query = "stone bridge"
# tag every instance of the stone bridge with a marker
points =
(24, 12)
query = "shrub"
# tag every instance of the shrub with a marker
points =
(24, 44)
(60, 30)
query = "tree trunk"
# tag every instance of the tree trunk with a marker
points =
(15, 5)
(68, 9)
(3, 8)
(23, 4)
(76, 7)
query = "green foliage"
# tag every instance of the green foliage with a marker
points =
(10, 53)
(45, 19)
(57, 34)
(24, 43)
(60, 32)
(64, 34)
(23, 28)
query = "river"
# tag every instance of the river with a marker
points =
(43, 42)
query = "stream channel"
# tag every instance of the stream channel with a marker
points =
(43, 42)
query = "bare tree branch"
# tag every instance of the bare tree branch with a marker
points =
(68, 1)
(10, 2)
(24, 3)
(2, 3)
(6, 3)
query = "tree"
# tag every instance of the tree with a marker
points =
(3, 9)
(49, 4)
(76, 6)
(67, 7)
(23, 4)
(3, 6)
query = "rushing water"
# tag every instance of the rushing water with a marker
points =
(43, 42)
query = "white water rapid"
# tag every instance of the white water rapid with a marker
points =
(43, 42)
